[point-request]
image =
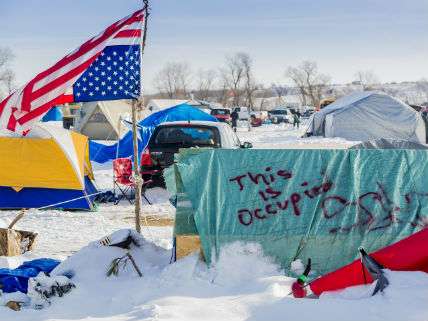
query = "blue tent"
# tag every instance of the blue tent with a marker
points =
(54, 114)
(102, 153)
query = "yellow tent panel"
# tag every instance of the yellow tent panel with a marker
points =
(38, 163)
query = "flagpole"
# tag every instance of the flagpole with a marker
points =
(135, 104)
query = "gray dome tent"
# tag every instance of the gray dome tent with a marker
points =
(384, 143)
(367, 116)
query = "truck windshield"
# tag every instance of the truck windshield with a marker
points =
(279, 112)
(220, 112)
(186, 136)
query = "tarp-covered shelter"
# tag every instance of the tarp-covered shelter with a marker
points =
(48, 166)
(346, 200)
(101, 120)
(124, 148)
(366, 116)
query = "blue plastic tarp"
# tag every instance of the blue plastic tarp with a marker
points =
(102, 153)
(54, 114)
(13, 280)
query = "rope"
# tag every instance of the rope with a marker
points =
(68, 201)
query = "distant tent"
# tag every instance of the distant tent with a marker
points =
(101, 120)
(54, 114)
(366, 116)
(124, 148)
(49, 166)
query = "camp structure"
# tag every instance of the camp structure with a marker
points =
(102, 120)
(54, 114)
(49, 167)
(102, 153)
(155, 105)
(368, 116)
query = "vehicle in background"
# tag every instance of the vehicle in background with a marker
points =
(280, 115)
(169, 137)
(255, 121)
(221, 114)
(325, 102)
(243, 113)
(307, 113)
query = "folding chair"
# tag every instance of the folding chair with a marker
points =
(123, 180)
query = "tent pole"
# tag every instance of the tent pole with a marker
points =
(135, 104)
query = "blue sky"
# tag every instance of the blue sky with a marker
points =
(389, 37)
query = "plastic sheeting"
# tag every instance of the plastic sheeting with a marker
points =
(299, 204)
(368, 116)
(13, 280)
(54, 114)
(102, 153)
(405, 255)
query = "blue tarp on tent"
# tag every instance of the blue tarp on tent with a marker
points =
(55, 114)
(31, 197)
(102, 153)
(13, 280)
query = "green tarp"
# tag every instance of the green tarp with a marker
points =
(321, 204)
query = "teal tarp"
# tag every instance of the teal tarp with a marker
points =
(321, 204)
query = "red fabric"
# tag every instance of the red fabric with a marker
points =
(146, 159)
(122, 169)
(298, 290)
(409, 254)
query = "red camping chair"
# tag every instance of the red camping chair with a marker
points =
(123, 180)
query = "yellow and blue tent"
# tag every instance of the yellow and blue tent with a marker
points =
(49, 167)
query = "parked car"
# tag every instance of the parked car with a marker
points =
(169, 137)
(222, 114)
(243, 112)
(307, 113)
(280, 115)
(255, 121)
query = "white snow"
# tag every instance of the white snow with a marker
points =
(242, 285)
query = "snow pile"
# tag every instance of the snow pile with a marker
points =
(236, 264)
(90, 264)
(241, 285)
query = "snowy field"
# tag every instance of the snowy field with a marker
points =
(242, 285)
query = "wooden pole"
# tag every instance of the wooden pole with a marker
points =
(135, 105)
(137, 177)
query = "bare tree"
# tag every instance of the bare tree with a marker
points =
(367, 79)
(173, 80)
(280, 91)
(7, 76)
(309, 82)
(205, 81)
(233, 77)
(250, 85)
(237, 76)
(223, 94)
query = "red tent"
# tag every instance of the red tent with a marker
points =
(409, 254)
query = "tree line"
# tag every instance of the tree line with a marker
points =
(234, 83)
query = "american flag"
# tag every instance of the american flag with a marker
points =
(107, 67)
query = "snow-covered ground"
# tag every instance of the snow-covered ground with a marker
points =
(242, 285)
